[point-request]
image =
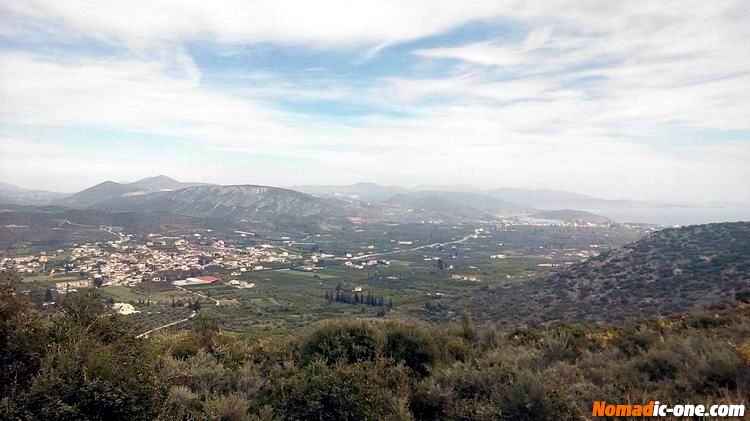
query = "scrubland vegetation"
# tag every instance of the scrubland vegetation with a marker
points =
(81, 362)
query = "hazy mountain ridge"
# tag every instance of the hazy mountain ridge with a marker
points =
(368, 192)
(481, 202)
(520, 198)
(432, 207)
(555, 199)
(571, 215)
(361, 200)
(670, 271)
(242, 202)
(110, 190)
(12, 194)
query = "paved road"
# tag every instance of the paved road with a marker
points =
(368, 256)
(198, 294)
(145, 334)
(109, 229)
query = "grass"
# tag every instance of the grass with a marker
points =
(121, 293)
(305, 274)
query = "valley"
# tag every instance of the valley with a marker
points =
(276, 258)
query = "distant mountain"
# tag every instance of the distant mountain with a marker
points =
(670, 271)
(462, 188)
(555, 199)
(570, 215)
(12, 194)
(478, 201)
(110, 190)
(240, 203)
(101, 192)
(548, 199)
(162, 182)
(431, 207)
(367, 192)
(521, 199)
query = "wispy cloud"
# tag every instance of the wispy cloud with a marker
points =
(609, 98)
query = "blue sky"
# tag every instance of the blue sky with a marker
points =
(637, 99)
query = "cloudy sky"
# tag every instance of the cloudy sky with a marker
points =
(638, 99)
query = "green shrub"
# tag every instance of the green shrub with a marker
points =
(181, 404)
(526, 399)
(429, 401)
(658, 365)
(412, 345)
(349, 342)
(226, 408)
(359, 391)
(94, 368)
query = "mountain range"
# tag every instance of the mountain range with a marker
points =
(19, 196)
(247, 203)
(317, 204)
(110, 190)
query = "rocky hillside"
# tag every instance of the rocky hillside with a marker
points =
(668, 272)
(240, 203)
(110, 190)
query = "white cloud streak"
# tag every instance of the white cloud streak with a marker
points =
(590, 100)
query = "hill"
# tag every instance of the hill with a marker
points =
(670, 271)
(571, 215)
(52, 226)
(551, 199)
(368, 192)
(164, 183)
(431, 207)
(247, 203)
(11, 194)
(110, 190)
(479, 201)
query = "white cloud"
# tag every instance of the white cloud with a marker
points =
(323, 22)
(513, 113)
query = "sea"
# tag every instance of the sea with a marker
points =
(676, 216)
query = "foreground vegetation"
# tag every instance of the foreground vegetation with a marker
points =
(81, 362)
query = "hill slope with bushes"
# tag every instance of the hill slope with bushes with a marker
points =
(82, 362)
(670, 271)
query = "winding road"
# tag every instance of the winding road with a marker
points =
(368, 256)
(145, 334)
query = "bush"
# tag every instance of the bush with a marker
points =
(359, 391)
(411, 345)
(94, 368)
(429, 401)
(226, 408)
(743, 296)
(349, 342)
(657, 366)
(181, 403)
(526, 400)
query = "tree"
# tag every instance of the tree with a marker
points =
(468, 330)
(83, 363)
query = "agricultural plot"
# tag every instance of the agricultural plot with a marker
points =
(426, 279)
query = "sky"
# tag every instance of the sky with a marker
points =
(618, 99)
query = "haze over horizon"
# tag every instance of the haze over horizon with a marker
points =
(628, 100)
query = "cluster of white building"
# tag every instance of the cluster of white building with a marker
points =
(125, 262)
